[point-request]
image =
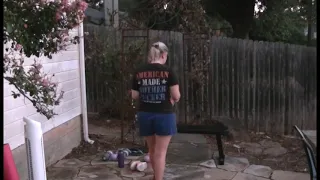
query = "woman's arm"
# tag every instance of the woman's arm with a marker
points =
(134, 94)
(175, 93)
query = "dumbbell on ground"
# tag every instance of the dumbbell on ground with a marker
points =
(125, 151)
(110, 156)
(138, 166)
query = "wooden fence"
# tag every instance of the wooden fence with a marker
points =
(265, 86)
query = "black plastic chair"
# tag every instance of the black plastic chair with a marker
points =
(310, 154)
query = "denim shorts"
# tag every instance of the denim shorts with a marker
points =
(160, 124)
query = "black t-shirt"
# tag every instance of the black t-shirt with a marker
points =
(153, 82)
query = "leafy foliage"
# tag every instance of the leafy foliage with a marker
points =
(238, 13)
(37, 28)
(234, 18)
(284, 22)
(176, 15)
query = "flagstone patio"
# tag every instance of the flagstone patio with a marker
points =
(188, 159)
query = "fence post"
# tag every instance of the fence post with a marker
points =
(286, 95)
(254, 82)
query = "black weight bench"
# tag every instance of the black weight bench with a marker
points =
(310, 154)
(218, 129)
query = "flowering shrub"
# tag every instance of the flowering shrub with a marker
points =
(39, 28)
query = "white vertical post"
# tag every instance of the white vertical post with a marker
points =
(35, 150)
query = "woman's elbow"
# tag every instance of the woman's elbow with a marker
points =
(134, 94)
(175, 93)
(176, 96)
(135, 97)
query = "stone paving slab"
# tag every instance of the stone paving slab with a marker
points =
(236, 164)
(189, 176)
(189, 138)
(98, 172)
(218, 174)
(147, 177)
(174, 171)
(243, 176)
(209, 164)
(265, 147)
(258, 170)
(275, 151)
(87, 158)
(288, 175)
(62, 173)
(252, 148)
(187, 153)
(70, 163)
(126, 172)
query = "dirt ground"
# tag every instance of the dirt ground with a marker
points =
(103, 143)
(293, 160)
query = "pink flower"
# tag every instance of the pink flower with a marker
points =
(83, 5)
(58, 16)
(18, 47)
(25, 26)
(45, 83)
(67, 8)
(64, 2)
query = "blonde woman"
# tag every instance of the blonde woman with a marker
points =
(156, 87)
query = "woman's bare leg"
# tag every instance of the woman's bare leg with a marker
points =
(159, 157)
(151, 147)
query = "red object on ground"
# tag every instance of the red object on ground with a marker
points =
(9, 167)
